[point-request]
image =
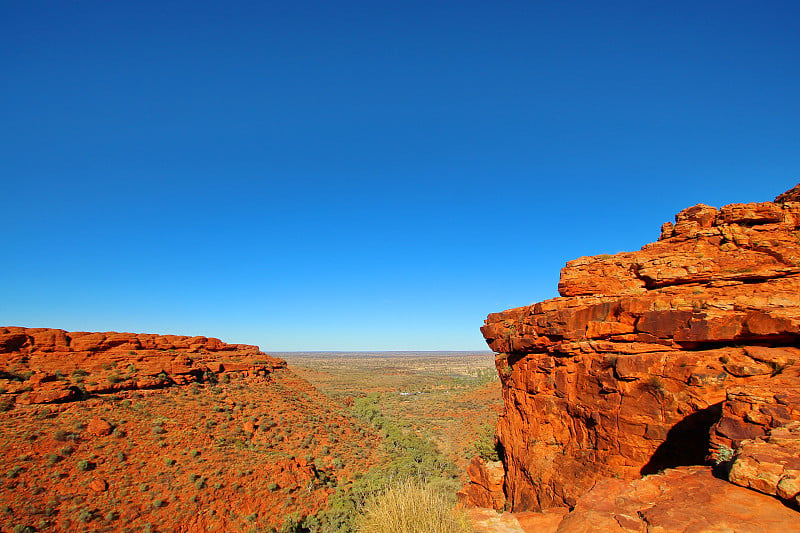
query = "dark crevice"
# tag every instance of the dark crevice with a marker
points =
(687, 442)
(760, 340)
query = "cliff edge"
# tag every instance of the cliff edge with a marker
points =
(682, 353)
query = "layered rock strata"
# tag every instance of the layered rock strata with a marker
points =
(771, 464)
(40, 365)
(627, 371)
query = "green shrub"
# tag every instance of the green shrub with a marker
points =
(723, 454)
(485, 445)
(85, 515)
(84, 465)
(293, 524)
(410, 457)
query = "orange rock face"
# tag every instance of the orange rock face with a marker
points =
(39, 365)
(485, 487)
(628, 371)
(771, 465)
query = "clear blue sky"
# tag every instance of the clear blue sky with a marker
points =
(366, 175)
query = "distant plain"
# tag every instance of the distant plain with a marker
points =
(449, 397)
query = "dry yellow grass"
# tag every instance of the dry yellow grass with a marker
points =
(410, 507)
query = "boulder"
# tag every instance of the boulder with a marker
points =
(485, 486)
(771, 464)
(99, 427)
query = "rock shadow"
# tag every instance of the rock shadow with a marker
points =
(686, 443)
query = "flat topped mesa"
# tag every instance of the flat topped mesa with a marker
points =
(43, 365)
(644, 357)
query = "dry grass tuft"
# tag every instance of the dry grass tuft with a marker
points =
(411, 507)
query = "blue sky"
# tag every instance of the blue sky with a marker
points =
(366, 175)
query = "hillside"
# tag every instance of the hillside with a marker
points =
(139, 432)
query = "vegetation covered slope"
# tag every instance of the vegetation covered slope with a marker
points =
(228, 450)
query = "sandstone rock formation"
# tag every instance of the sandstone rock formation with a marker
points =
(771, 465)
(626, 373)
(485, 487)
(39, 365)
(679, 500)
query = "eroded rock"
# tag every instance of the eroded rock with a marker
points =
(771, 464)
(679, 500)
(627, 371)
(485, 486)
(39, 365)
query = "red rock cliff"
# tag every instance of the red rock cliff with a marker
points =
(41, 365)
(659, 358)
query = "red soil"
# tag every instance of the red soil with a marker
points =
(164, 433)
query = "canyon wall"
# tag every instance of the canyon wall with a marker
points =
(665, 357)
(43, 365)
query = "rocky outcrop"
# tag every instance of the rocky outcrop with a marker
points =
(771, 464)
(752, 411)
(626, 373)
(679, 500)
(485, 486)
(39, 365)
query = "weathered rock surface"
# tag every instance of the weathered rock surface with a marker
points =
(679, 500)
(99, 427)
(485, 520)
(792, 195)
(39, 365)
(771, 465)
(626, 373)
(752, 410)
(485, 487)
